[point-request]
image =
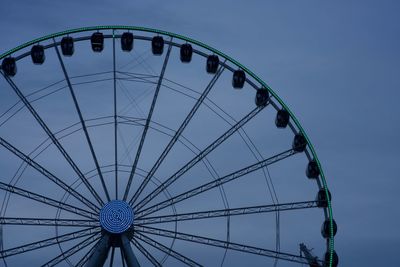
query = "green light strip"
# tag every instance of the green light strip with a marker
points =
(228, 58)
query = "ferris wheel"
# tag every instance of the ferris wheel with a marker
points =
(131, 146)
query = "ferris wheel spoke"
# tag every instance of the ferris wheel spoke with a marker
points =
(96, 162)
(215, 183)
(115, 121)
(198, 158)
(165, 249)
(47, 242)
(226, 212)
(68, 253)
(146, 253)
(148, 120)
(177, 134)
(47, 174)
(52, 137)
(48, 222)
(47, 200)
(223, 244)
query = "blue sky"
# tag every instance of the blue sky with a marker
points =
(336, 64)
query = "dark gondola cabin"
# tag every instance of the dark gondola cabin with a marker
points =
(127, 41)
(9, 66)
(67, 46)
(97, 41)
(335, 259)
(312, 170)
(212, 63)
(326, 230)
(262, 97)
(282, 118)
(322, 199)
(299, 143)
(37, 54)
(238, 79)
(157, 45)
(186, 53)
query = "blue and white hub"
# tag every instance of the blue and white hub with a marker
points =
(116, 217)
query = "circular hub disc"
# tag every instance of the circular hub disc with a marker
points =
(116, 217)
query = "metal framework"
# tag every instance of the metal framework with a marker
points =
(80, 232)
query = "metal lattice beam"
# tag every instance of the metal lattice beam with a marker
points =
(198, 158)
(115, 121)
(222, 244)
(48, 222)
(48, 201)
(146, 253)
(47, 242)
(226, 212)
(215, 183)
(68, 253)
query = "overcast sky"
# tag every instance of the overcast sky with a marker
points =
(336, 64)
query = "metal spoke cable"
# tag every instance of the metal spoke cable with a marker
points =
(134, 100)
(128, 148)
(139, 59)
(136, 74)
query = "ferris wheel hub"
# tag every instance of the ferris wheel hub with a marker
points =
(116, 217)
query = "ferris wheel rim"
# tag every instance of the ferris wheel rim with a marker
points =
(217, 52)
